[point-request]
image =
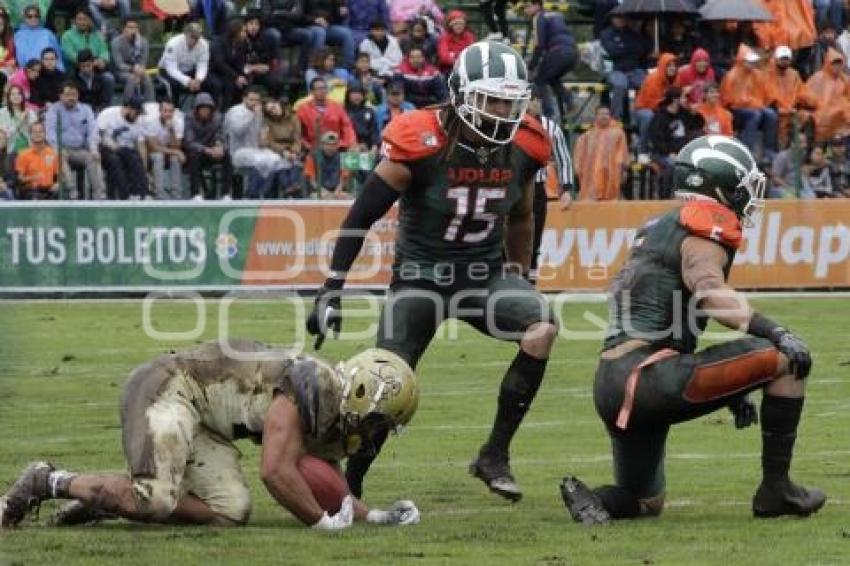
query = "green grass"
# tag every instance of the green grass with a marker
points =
(64, 364)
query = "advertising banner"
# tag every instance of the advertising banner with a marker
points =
(138, 246)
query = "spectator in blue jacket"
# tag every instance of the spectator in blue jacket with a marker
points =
(395, 105)
(32, 38)
(629, 51)
(554, 55)
(423, 83)
(361, 14)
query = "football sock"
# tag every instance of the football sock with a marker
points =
(359, 462)
(618, 501)
(59, 482)
(519, 386)
(779, 419)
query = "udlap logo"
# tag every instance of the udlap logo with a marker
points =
(226, 245)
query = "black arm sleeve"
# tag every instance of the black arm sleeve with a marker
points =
(374, 201)
(763, 327)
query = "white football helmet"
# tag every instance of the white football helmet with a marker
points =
(487, 71)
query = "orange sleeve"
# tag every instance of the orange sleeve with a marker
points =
(412, 136)
(533, 140)
(726, 88)
(713, 221)
(309, 167)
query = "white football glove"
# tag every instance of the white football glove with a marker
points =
(400, 513)
(341, 520)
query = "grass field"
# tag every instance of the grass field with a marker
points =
(63, 365)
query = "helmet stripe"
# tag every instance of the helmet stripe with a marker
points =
(700, 154)
(510, 67)
(485, 60)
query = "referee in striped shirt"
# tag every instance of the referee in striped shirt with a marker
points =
(564, 170)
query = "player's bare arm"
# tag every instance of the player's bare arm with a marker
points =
(520, 230)
(702, 271)
(282, 448)
(703, 262)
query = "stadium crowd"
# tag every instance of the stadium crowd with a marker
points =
(225, 102)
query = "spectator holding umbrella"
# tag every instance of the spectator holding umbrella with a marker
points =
(792, 23)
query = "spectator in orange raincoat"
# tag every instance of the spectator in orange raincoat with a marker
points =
(600, 158)
(792, 96)
(718, 120)
(831, 87)
(745, 90)
(793, 24)
(651, 94)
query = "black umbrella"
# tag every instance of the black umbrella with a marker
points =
(654, 8)
(738, 10)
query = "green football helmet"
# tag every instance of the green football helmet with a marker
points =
(379, 391)
(487, 71)
(723, 169)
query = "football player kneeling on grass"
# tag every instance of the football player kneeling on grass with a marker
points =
(650, 376)
(180, 414)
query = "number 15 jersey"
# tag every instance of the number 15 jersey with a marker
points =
(455, 208)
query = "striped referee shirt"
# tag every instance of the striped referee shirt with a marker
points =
(563, 161)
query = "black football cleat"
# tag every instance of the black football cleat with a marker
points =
(583, 503)
(76, 513)
(26, 494)
(495, 472)
(786, 498)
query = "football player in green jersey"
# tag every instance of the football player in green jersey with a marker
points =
(462, 174)
(650, 375)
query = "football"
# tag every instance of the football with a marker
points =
(326, 482)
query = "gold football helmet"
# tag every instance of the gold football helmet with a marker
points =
(379, 392)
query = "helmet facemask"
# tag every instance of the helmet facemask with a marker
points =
(755, 184)
(478, 95)
(379, 395)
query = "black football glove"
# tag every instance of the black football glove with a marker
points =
(326, 315)
(796, 351)
(745, 411)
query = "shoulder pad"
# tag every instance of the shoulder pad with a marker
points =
(711, 220)
(413, 135)
(533, 140)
